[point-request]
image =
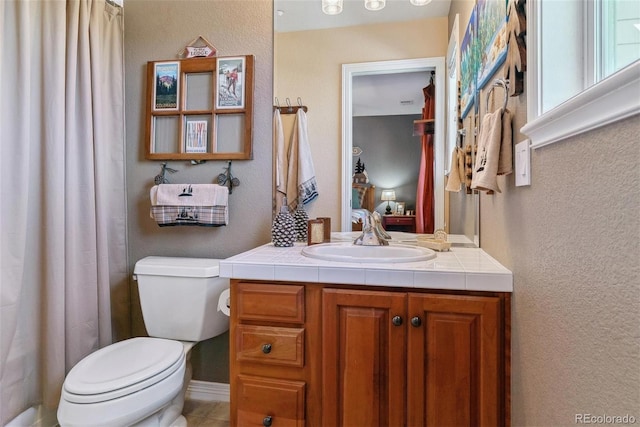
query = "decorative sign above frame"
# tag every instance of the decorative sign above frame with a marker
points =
(200, 109)
(198, 48)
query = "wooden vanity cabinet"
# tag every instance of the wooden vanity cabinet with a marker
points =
(275, 354)
(390, 358)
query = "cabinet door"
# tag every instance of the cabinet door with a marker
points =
(364, 377)
(454, 368)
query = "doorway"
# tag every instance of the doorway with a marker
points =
(351, 71)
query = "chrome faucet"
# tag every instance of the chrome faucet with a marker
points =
(371, 235)
(377, 218)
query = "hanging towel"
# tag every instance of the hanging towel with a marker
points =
(281, 154)
(189, 195)
(454, 182)
(468, 166)
(485, 171)
(190, 204)
(461, 160)
(505, 163)
(301, 177)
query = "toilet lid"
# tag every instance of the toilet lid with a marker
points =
(124, 367)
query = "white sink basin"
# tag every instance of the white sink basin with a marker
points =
(348, 252)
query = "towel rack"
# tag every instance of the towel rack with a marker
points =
(289, 109)
(499, 83)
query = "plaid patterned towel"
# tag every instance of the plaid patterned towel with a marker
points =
(207, 216)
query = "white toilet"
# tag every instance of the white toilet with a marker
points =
(142, 381)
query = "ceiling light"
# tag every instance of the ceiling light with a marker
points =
(374, 4)
(420, 2)
(332, 7)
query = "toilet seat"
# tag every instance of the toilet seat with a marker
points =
(122, 368)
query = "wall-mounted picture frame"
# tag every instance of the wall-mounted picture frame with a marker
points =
(491, 38)
(166, 90)
(186, 124)
(468, 65)
(400, 208)
(196, 136)
(231, 79)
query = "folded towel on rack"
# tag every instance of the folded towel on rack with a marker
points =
(454, 181)
(301, 176)
(189, 195)
(190, 204)
(485, 171)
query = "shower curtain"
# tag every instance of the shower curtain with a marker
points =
(62, 202)
(425, 216)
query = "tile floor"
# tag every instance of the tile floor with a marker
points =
(206, 414)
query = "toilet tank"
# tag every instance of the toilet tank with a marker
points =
(179, 297)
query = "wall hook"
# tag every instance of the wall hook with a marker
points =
(227, 179)
(161, 177)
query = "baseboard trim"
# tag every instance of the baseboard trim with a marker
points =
(208, 391)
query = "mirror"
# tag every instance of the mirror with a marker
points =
(308, 64)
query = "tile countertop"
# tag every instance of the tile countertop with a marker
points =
(469, 269)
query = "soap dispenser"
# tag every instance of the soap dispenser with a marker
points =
(283, 230)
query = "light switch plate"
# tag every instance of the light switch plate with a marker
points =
(523, 163)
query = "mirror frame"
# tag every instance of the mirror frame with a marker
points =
(349, 71)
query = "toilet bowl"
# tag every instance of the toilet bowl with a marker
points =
(142, 381)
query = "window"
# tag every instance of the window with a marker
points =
(583, 69)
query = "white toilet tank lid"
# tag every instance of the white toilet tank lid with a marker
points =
(176, 266)
(122, 364)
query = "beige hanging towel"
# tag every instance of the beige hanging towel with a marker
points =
(505, 164)
(468, 165)
(281, 165)
(485, 171)
(454, 182)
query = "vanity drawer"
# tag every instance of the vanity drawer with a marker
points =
(273, 303)
(270, 345)
(266, 401)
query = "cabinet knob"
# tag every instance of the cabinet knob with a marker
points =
(397, 320)
(266, 349)
(266, 421)
(416, 321)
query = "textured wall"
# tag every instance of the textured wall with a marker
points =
(572, 242)
(157, 30)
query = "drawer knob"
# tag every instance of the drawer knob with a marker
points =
(416, 321)
(397, 320)
(266, 421)
(266, 349)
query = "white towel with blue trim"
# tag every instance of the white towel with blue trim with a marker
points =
(301, 175)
